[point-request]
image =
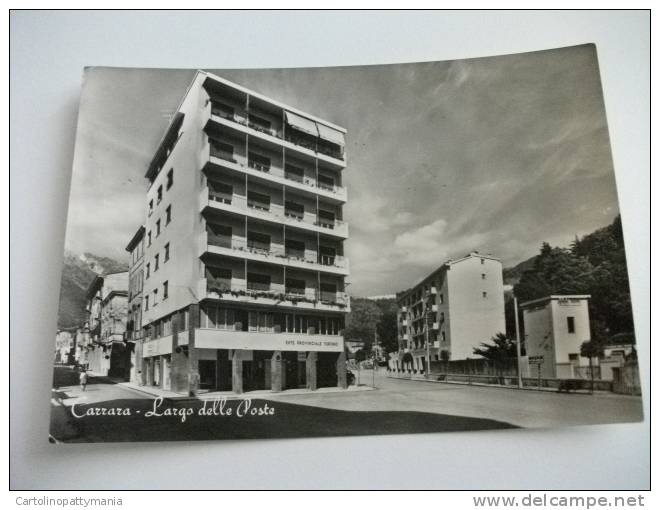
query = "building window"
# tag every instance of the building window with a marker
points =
(220, 192)
(167, 253)
(444, 336)
(295, 249)
(441, 298)
(146, 303)
(484, 294)
(260, 124)
(483, 276)
(294, 173)
(170, 178)
(570, 322)
(165, 288)
(157, 228)
(160, 194)
(482, 262)
(168, 214)
(155, 297)
(256, 281)
(326, 182)
(294, 210)
(258, 200)
(258, 162)
(294, 286)
(148, 270)
(151, 206)
(222, 150)
(149, 238)
(258, 242)
(573, 357)
(156, 257)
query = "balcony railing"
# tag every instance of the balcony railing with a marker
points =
(278, 292)
(276, 172)
(274, 250)
(312, 144)
(259, 166)
(275, 212)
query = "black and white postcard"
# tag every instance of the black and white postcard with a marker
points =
(305, 252)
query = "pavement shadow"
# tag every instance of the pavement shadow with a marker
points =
(127, 420)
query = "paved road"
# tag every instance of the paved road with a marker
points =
(523, 408)
(110, 412)
(396, 406)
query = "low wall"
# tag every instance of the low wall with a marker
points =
(625, 379)
(509, 380)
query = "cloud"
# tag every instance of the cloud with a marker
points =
(492, 154)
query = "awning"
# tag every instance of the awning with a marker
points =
(301, 123)
(331, 135)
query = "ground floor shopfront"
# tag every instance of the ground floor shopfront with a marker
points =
(240, 370)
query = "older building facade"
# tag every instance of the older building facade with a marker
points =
(555, 328)
(451, 311)
(244, 267)
(107, 308)
(135, 249)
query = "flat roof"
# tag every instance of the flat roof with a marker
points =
(444, 267)
(136, 238)
(270, 100)
(554, 297)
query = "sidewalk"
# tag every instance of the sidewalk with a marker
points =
(230, 395)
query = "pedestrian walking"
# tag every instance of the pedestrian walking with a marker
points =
(83, 379)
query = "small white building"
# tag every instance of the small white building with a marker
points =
(555, 328)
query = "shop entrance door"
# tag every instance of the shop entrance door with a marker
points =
(207, 374)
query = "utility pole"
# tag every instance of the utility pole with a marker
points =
(375, 360)
(427, 372)
(515, 309)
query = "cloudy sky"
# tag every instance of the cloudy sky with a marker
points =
(494, 154)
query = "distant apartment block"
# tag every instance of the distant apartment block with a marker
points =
(555, 328)
(243, 247)
(454, 309)
(107, 306)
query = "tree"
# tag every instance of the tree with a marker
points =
(501, 348)
(592, 349)
(596, 265)
(362, 321)
(387, 325)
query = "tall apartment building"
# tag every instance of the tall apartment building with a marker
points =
(455, 308)
(107, 307)
(135, 248)
(244, 267)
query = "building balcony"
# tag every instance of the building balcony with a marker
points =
(434, 308)
(238, 122)
(236, 290)
(436, 326)
(404, 322)
(239, 247)
(272, 213)
(274, 174)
